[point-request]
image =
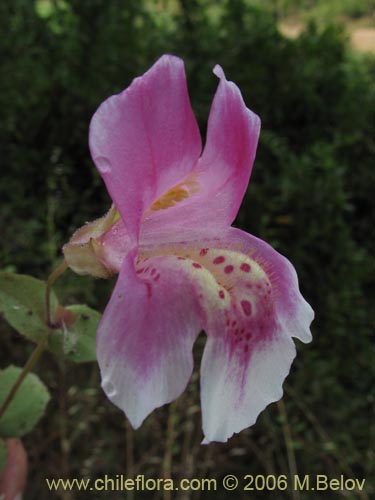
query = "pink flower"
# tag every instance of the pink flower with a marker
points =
(182, 268)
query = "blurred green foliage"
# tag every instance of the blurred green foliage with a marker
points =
(317, 9)
(310, 196)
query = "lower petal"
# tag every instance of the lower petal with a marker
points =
(145, 339)
(252, 308)
(236, 388)
(238, 289)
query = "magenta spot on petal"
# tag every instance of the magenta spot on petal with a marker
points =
(203, 252)
(195, 264)
(221, 294)
(246, 307)
(228, 269)
(228, 322)
(139, 271)
(219, 260)
(248, 336)
(236, 331)
(259, 286)
(246, 348)
(245, 267)
(153, 271)
(234, 323)
(157, 277)
(181, 258)
(249, 285)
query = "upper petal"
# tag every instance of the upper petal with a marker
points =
(232, 138)
(215, 188)
(145, 139)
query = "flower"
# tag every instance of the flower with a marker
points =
(182, 268)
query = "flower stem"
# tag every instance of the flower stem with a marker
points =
(168, 452)
(289, 446)
(50, 281)
(28, 366)
(41, 344)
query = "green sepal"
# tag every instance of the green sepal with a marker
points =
(22, 303)
(3, 454)
(28, 404)
(75, 338)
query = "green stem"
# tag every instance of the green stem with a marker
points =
(289, 445)
(129, 455)
(168, 452)
(28, 366)
(50, 281)
(41, 344)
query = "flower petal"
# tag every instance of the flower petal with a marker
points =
(145, 139)
(246, 361)
(215, 188)
(145, 339)
(251, 307)
(232, 138)
(292, 310)
(234, 389)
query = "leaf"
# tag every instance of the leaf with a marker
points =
(27, 406)
(3, 454)
(22, 303)
(75, 340)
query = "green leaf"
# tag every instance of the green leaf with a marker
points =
(28, 405)
(75, 340)
(22, 303)
(3, 454)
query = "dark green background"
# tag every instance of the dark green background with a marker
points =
(310, 196)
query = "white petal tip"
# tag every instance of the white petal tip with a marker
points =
(216, 439)
(218, 71)
(307, 337)
(136, 424)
